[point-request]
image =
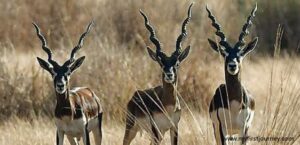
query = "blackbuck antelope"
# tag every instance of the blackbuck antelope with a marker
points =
(232, 107)
(157, 110)
(78, 111)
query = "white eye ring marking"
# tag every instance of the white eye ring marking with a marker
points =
(68, 72)
(226, 54)
(221, 50)
(241, 59)
(159, 60)
(53, 72)
(177, 63)
(239, 53)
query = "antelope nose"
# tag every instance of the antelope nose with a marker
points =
(169, 75)
(232, 66)
(60, 85)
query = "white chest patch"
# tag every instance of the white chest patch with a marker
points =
(235, 119)
(241, 117)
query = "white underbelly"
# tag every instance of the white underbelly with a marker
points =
(162, 121)
(75, 127)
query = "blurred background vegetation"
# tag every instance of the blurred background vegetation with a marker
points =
(121, 22)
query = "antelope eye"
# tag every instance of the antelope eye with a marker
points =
(67, 73)
(54, 75)
(174, 69)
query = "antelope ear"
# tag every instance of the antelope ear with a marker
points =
(249, 47)
(77, 64)
(45, 65)
(184, 53)
(213, 45)
(216, 48)
(152, 54)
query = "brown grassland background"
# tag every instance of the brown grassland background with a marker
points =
(117, 64)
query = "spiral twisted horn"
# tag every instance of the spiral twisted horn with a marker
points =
(219, 32)
(44, 44)
(183, 34)
(245, 28)
(79, 45)
(152, 37)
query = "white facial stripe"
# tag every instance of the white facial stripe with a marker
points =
(53, 72)
(68, 72)
(64, 81)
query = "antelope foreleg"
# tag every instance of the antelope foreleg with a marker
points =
(59, 137)
(86, 136)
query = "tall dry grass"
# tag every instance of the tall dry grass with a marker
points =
(117, 64)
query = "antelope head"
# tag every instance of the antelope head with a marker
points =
(233, 54)
(61, 73)
(169, 64)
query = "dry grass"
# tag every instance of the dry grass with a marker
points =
(272, 81)
(117, 64)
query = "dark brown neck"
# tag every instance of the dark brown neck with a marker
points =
(169, 92)
(62, 99)
(234, 86)
(63, 106)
